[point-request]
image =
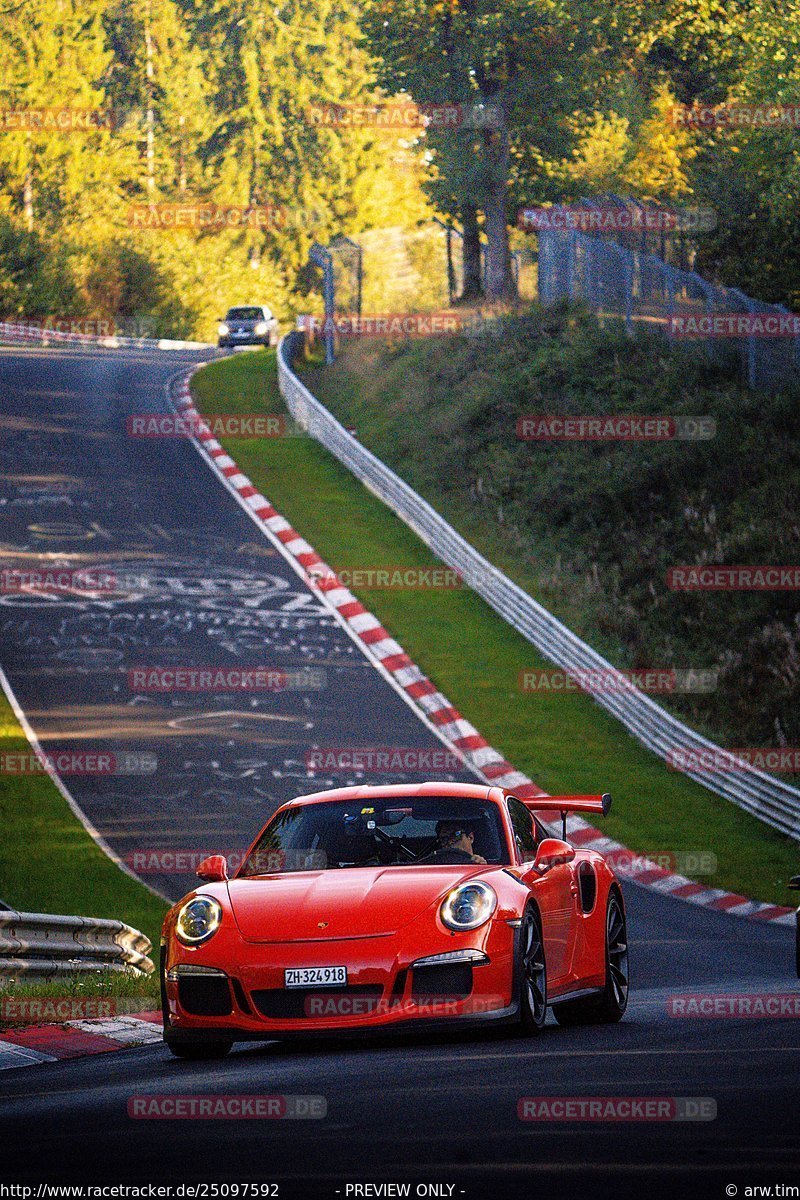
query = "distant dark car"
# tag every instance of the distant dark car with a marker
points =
(252, 325)
(794, 882)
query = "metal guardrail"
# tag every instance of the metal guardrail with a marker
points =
(39, 945)
(770, 799)
(35, 333)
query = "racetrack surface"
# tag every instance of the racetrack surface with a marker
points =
(202, 587)
(439, 1109)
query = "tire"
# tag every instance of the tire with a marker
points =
(532, 970)
(197, 1050)
(610, 1005)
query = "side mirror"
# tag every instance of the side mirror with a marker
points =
(213, 869)
(551, 853)
(794, 882)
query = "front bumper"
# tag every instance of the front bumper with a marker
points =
(384, 989)
(246, 339)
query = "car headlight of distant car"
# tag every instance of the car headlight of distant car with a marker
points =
(198, 920)
(260, 328)
(222, 329)
(468, 906)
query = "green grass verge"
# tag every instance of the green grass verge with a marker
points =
(49, 863)
(564, 743)
(77, 997)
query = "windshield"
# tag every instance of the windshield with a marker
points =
(377, 832)
(245, 314)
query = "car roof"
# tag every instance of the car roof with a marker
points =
(399, 791)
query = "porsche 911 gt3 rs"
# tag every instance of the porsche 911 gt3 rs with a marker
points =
(367, 908)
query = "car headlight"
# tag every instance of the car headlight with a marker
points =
(222, 329)
(261, 327)
(198, 920)
(468, 906)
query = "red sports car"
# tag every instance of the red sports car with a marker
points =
(367, 908)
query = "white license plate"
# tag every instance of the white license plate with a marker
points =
(304, 977)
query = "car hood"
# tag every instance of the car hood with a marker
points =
(346, 903)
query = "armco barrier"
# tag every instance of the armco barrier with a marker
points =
(773, 801)
(10, 331)
(38, 945)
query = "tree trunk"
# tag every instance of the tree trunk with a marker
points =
(471, 250)
(27, 200)
(499, 280)
(150, 119)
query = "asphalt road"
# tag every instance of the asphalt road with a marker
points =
(417, 1110)
(195, 584)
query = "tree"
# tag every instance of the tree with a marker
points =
(273, 75)
(53, 65)
(157, 69)
(516, 67)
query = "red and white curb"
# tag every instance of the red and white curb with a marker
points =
(32, 1044)
(436, 710)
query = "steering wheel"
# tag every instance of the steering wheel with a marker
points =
(397, 844)
(432, 846)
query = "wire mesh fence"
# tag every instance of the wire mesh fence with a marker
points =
(623, 278)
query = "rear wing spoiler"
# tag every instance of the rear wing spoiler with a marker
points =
(599, 805)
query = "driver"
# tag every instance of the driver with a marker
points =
(454, 842)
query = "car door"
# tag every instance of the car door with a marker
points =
(556, 893)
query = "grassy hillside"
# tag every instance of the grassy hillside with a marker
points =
(592, 528)
(565, 743)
